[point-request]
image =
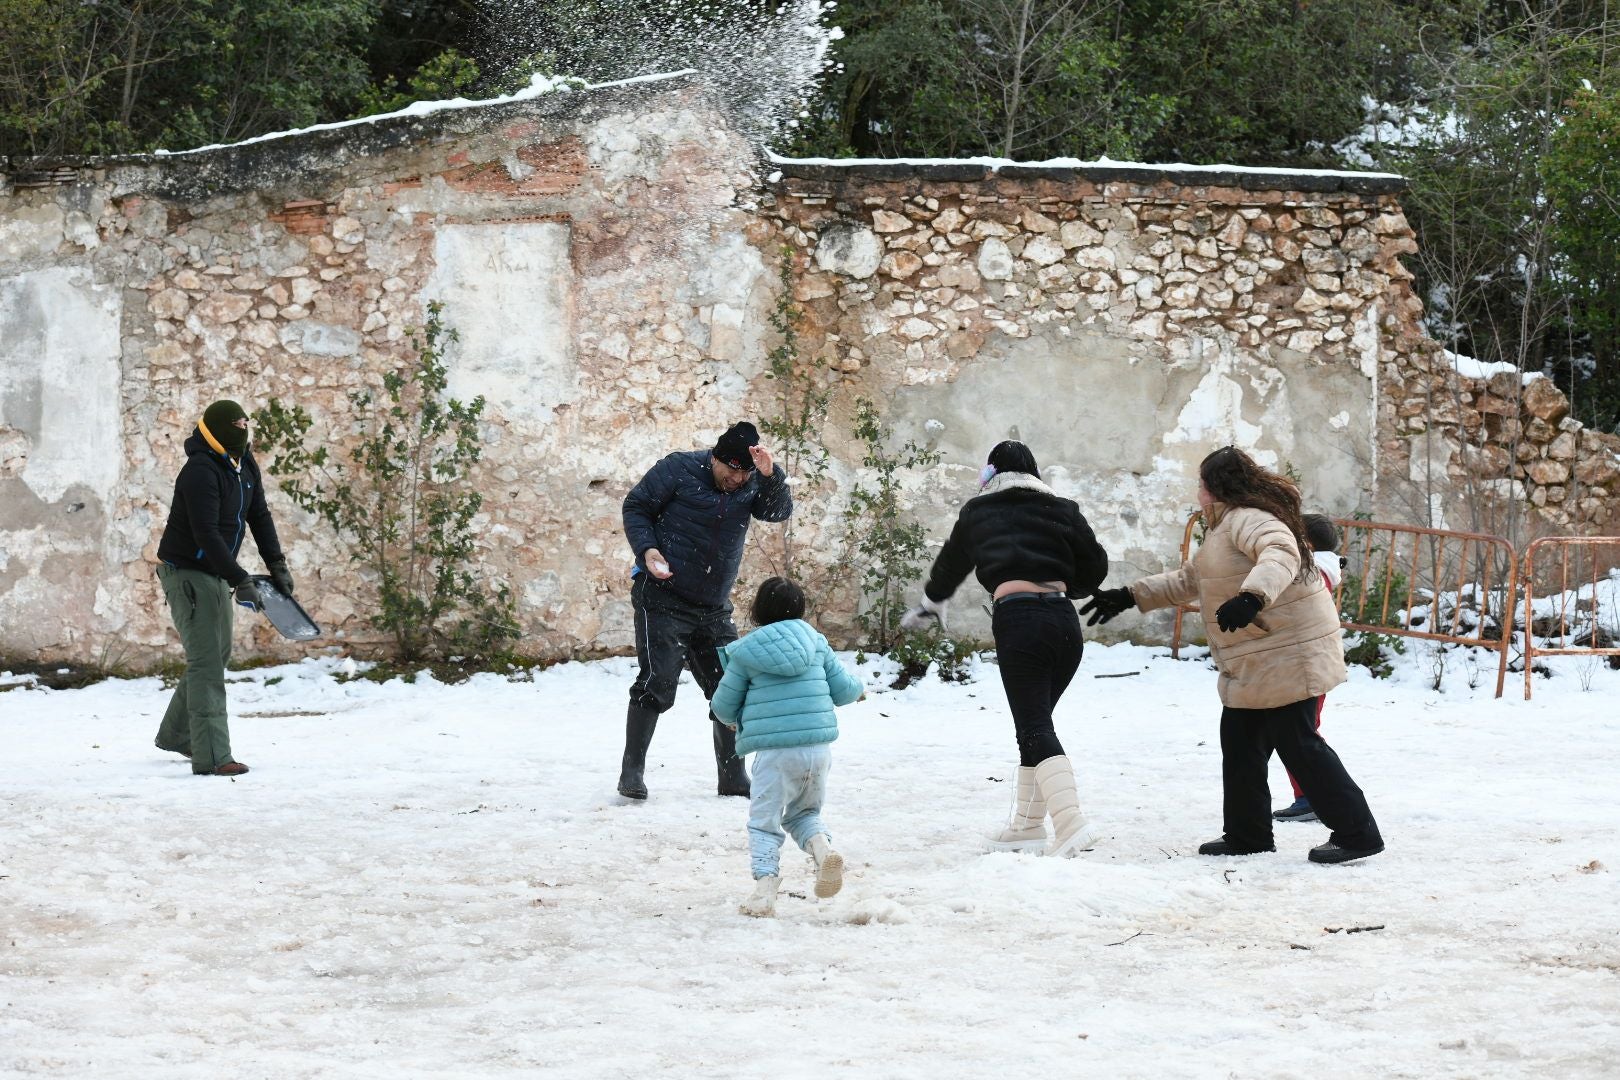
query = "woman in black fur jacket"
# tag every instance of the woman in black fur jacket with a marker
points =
(1034, 553)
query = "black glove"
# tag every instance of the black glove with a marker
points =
(1238, 612)
(1106, 603)
(247, 594)
(281, 576)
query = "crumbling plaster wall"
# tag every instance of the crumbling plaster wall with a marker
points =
(610, 260)
(596, 261)
(1123, 327)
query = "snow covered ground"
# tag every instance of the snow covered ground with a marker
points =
(439, 881)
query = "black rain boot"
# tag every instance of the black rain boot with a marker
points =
(638, 733)
(733, 773)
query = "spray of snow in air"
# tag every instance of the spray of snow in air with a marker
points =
(764, 61)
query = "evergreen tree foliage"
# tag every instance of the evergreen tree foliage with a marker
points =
(446, 75)
(1257, 82)
(1581, 171)
(119, 76)
(1513, 196)
(409, 35)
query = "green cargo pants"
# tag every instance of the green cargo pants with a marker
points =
(195, 723)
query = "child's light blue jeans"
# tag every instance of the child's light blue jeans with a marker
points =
(788, 786)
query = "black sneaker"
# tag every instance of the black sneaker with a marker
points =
(1333, 853)
(1225, 847)
(1299, 810)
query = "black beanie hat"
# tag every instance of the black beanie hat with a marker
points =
(220, 419)
(732, 449)
(1013, 456)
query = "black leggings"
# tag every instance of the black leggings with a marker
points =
(1038, 646)
(1248, 736)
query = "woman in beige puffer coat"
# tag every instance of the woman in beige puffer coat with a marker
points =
(1276, 643)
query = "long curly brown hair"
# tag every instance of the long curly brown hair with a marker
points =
(1234, 478)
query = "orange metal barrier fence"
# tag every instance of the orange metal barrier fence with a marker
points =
(1409, 581)
(1577, 600)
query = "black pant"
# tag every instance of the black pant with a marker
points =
(1038, 646)
(1248, 736)
(672, 632)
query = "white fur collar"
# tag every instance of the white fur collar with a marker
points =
(1008, 480)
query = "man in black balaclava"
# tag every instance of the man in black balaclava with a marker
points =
(218, 497)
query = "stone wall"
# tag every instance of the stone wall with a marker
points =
(610, 259)
(590, 251)
(1123, 321)
(1494, 453)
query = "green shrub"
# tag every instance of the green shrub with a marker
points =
(402, 500)
(1382, 605)
(889, 546)
(918, 650)
(1371, 651)
(802, 400)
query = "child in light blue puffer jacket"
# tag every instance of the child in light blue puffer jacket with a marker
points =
(780, 686)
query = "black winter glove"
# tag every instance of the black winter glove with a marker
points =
(1238, 612)
(281, 576)
(247, 594)
(1106, 603)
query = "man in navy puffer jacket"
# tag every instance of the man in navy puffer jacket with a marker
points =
(687, 521)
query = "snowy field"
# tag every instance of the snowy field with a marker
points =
(439, 881)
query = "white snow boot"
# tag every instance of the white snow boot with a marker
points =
(761, 905)
(1027, 829)
(1071, 832)
(829, 866)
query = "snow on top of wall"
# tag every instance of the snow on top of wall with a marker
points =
(995, 164)
(1470, 368)
(538, 86)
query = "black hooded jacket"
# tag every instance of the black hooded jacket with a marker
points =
(697, 527)
(1019, 529)
(215, 504)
